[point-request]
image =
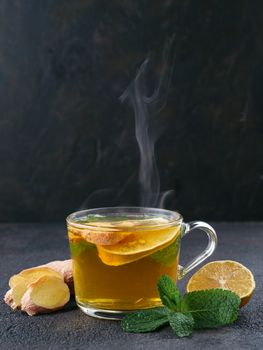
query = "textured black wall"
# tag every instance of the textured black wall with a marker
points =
(67, 141)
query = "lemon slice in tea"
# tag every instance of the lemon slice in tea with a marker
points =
(225, 274)
(137, 245)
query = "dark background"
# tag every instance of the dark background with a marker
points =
(66, 140)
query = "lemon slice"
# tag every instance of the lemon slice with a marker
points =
(225, 274)
(137, 245)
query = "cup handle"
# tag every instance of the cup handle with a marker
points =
(212, 243)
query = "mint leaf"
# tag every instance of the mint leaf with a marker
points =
(181, 323)
(145, 321)
(77, 248)
(169, 293)
(167, 255)
(211, 308)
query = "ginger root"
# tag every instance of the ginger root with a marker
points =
(28, 281)
(65, 268)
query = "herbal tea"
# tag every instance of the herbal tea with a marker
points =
(117, 261)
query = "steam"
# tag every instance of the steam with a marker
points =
(145, 107)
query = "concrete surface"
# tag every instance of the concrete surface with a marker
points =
(26, 245)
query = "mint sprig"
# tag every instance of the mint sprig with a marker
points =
(211, 308)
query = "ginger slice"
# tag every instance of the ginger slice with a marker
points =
(15, 279)
(47, 294)
(32, 274)
(17, 293)
(98, 233)
(103, 237)
(14, 295)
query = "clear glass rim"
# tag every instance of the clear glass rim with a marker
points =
(174, 218)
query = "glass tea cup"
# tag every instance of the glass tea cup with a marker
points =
(119, 253)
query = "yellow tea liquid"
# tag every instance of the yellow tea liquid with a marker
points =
(117, 263)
